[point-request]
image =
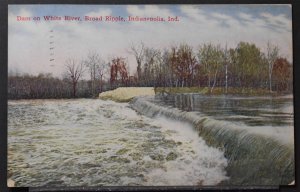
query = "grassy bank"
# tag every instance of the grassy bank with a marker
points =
(218, 91)
(126, 94)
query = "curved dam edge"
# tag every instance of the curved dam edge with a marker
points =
(126, 94)
(253, 158)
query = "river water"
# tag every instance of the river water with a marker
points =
(273, 116)
(255, 133)
(91, 142)
(87, 142)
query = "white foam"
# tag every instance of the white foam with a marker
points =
(198, 164)
(69, 138)
(126, 93)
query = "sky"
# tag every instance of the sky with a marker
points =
(29, 41)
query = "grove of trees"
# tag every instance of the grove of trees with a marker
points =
(208, 65)
(45, 86)
(216, 66)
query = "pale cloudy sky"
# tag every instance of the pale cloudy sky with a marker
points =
(29, 42)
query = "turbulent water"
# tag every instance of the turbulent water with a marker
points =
(255, 133)
(185, 139)
(89, 142)
(271, 116)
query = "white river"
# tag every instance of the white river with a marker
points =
(91, 142)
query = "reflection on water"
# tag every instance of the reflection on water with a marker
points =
(253, 111)
(259, 148)
(89, 142)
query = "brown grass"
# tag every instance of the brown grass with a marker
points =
(216, 91)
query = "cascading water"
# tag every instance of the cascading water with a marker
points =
(88, 142)
(257, 155)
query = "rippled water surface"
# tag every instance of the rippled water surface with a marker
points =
(271, 116)
(89, 142)
(252, 111)
(256, 133)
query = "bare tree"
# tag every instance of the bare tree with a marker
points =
(151, 66)
(102, 70)
(139, 53)
(272, 55)
(92, 63)
(74, 71)
(97, 68)
(226, 62)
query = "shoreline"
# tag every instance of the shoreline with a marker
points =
(130, 92)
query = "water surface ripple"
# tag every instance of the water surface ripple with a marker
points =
(87, 142)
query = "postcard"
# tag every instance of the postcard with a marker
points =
(150, 95)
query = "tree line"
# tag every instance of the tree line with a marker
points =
(214, 66)
(208, 65)
(44, 86)
(71, 85)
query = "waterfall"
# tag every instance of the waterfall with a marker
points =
(254, 157)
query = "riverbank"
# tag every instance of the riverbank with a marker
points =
(125, 94)
(239, 91)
